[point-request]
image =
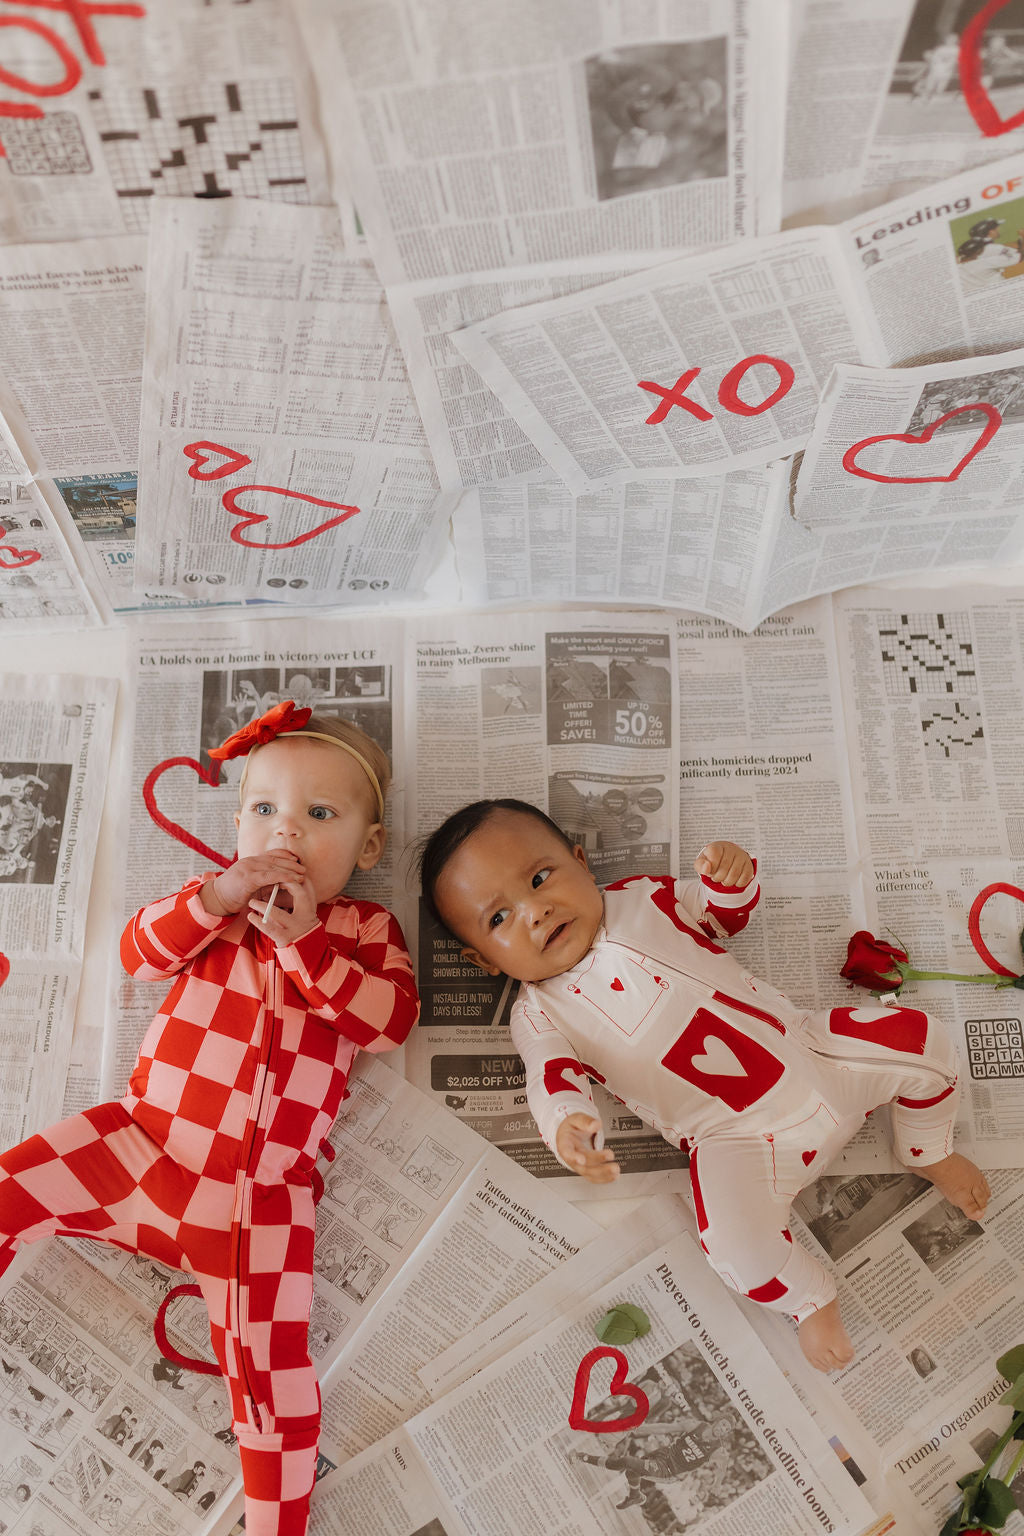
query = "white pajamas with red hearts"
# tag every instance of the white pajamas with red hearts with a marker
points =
(762, 1094)
(208, 1163)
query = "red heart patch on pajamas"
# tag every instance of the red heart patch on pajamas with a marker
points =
(974, 922)
(979, 102)
(917, 439)
(620, 1387)
(617, 986)
(202, 454)
(722, 1062)
(173, 829)
(809, 1157)
(249, 519)
(12, 559)
(917, 1151)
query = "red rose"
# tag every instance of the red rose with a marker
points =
(871, 963)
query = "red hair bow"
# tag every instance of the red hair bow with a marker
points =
(277, 721)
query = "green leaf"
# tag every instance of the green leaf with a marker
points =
(969, 1479)
(995, 1502)
(622, 1325)
(1011, 1365)
(952, 1525)
(1014, 1395)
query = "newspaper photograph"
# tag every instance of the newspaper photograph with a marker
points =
(578, 719)
(699, 1430)
(283, 455)
(477, 140)
(56, 734)
(176, 100)
(885, 97)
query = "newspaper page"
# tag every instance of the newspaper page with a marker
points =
(41, 587)
(937, 798)
(918, 467)
(473, 438)
(887, 95)
(724, 1445)
(706, 544)
(105, 110)
(931, 1300)
(700, 365)
(72, 320)
(56, 734)
(479, 137)
(102, 1432)
(282, 451)
(574, 713)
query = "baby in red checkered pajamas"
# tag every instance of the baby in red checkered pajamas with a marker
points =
(628, 986)
(208, 1162)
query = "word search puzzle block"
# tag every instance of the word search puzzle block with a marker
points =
(995, 1047)
(929, 653)
(53, 145)
(204, 140)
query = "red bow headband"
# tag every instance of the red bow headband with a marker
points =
(277, 721)
(281, 720)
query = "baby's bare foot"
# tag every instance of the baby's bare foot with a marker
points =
(961, 1181)
(824, 1340)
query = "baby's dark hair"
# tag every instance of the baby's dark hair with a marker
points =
(439, 847)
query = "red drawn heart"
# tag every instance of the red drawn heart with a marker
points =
(617, 985)
(230, 503)
(916, 1151)
(209, 776)
(5, 968)
(201, 453)
(988, 432)
(809, 1157)
(620, 1387)
(979, 102)
(20, 556)
(974, 923)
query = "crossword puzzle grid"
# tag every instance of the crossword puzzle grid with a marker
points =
(205, 140)
(995, 1047)
(950, 730)
(929, 653)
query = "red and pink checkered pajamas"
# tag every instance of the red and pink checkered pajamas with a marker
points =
(207, 1162)
(761, 1092)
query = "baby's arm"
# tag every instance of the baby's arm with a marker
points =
(724, 897)
(165, 934)
(362, 986)
(558, 1092)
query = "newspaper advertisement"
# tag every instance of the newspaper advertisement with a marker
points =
(481, 138)
(106, 110)
(891, 94)
(577, 718)
(56, 734)
(102, 1432)
(696, 1434)
(282, 453)
(935, 454)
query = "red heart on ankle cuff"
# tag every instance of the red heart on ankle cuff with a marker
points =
(620, 1387)
(209, 776)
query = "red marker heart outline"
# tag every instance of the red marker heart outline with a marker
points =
(229, 501)
(620, 1387)
(974, 923)
(988, 432)
(197, 453)
(209, 776)
(5, 968)
(22, 557)
(979, 102)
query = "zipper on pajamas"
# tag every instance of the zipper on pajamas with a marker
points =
(243, 1201)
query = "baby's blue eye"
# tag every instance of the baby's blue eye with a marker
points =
(540, 877)
(263, 808)
(498, 918)
(321, 812)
